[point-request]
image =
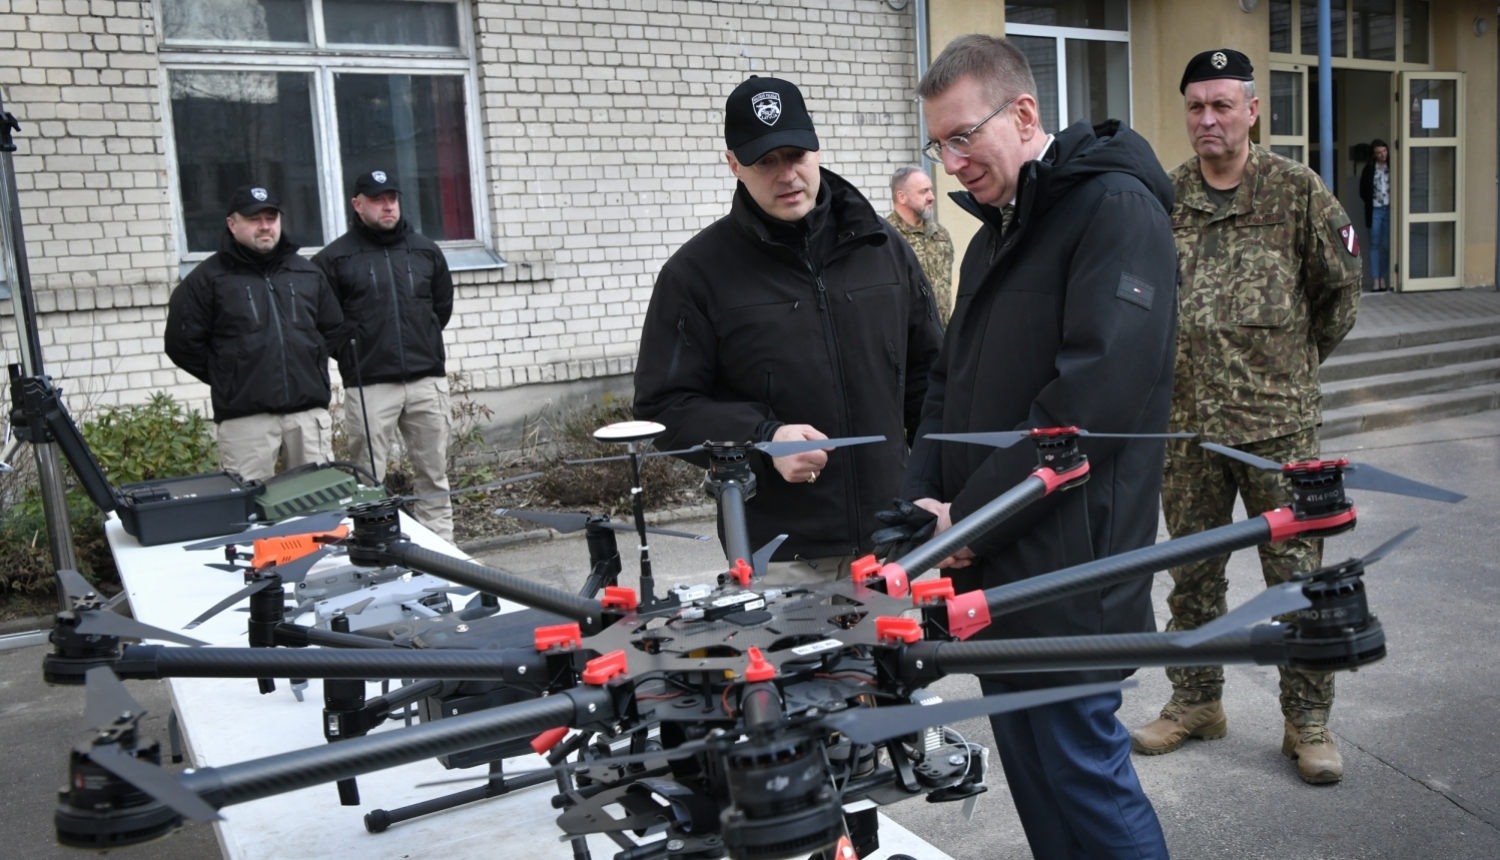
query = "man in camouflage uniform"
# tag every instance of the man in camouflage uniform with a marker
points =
(915, 218)
(1269, 277)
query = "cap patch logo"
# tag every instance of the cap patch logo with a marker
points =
(378, 175)
(1219, 60)
(259, 194)
(767, 107)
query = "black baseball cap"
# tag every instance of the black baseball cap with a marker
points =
(250, 199)
(1215, 65)
(763, 114)
(375, 183)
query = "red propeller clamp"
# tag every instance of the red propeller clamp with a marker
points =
(742, 573)
(619, 597)
(544, 742)
(601, 669)
(561, 637)
(759, 669)
(888, 629)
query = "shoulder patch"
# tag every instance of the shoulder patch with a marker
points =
(1135, 290)
(1349, 239)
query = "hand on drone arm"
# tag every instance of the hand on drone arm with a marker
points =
(800, 468)
(942, 510)
(676, 376)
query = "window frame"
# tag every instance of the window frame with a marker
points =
(323, 63)
(1060, 37)
(1348, 60)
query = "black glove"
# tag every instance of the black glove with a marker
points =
(906, 527)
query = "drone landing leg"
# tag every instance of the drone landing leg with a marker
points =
(381, 819)
(174, 736)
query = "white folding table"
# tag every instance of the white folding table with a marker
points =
(225, 721)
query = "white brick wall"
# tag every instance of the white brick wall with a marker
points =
(602, 122)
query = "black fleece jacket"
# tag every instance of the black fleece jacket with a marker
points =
(755, 323)
(1068, 319)
(397, 293)
(258, 328)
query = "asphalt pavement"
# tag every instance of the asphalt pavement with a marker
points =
(1420, 743)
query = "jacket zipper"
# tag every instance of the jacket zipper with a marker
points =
(395, 309)
(851, 484)
(286, 382)
(677, 348)
(770, 379)
(250, 300)
(293, 287)
(890, 350)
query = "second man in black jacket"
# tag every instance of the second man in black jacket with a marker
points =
(800, 315)
(397, 294)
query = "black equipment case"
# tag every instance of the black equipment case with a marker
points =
(190, 508)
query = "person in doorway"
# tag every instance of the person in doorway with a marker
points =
(1268, 275)
(1375, 191)
(396, 290)
(257, 323)
(914, 215)
(799, 315)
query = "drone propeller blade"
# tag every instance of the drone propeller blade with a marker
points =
(1235, 454)
(617, 457)
(787, 449)
(359, 607)
(1385, 549)
(1274, 601)
(106, 700)
(628, 527)
(475, 489)
(226, 567)
(154, 781)
(873, 725)
(1138, 435)
(229, 601)
(564, 523)
(94, 622)
(762, 557)
(297, 569)
(74, 585)
(1001, 439)
(323, 522)
(460, 590)
(1358, 476)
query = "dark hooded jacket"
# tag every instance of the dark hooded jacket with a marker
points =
(258, 328)
(755, 323)
(1068, 319)
(397, 293)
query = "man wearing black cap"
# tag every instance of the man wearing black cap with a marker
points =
(397, 294)
(801, 314)
(257, 323)
(1269, 284)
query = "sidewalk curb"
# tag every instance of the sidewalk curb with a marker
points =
(26, 625)
(661, 518)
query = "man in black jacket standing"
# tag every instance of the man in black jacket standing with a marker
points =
(257, 323)
(397, 293)
(800, 315)
(1065, 315)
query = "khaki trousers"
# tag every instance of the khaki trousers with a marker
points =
(251, 444)
(419, 409)
(805, 571)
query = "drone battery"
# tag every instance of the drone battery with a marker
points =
(190, 508)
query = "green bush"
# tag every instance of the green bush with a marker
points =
(139, 442)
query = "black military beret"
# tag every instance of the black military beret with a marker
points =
(1213, 65)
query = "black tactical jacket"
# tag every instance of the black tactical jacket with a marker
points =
(397, 293)
(258, 328)
(1068, 319)
(755, 323)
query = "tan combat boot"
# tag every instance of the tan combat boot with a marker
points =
(1177, 723)
(1308, 741)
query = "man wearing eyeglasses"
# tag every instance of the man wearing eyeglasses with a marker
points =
(1065, 316)
(799, 315)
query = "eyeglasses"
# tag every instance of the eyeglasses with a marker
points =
(959, 143)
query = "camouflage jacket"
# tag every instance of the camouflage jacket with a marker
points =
(934, 249)
(1267, 288)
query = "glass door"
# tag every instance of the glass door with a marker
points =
(1286, 113)
(1431, 185)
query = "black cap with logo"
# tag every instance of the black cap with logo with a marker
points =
(763, 114)
(250, 199)
(1215, 65)
(375, 183)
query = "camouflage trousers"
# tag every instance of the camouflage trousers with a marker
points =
(1197, 493)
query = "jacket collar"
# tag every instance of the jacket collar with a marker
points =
(230, 248)
(385, 238)
(841, 216)
(925, 229)
(1194, 197)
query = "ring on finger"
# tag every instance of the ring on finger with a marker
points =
(811, 477)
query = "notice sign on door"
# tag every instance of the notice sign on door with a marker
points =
(1429, 113)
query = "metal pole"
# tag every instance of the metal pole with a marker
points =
(1325, 93)
(919, 12)
(18, 272)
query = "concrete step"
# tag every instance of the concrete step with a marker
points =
(1411, 383)
(1409, 410)
(1341, 367)
(1420, 334)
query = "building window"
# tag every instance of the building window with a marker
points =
(304, 95)
(1079, 52)
(1338, 21)
(1361, 29)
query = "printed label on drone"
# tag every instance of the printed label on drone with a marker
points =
(734, 599)
(817, 647)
